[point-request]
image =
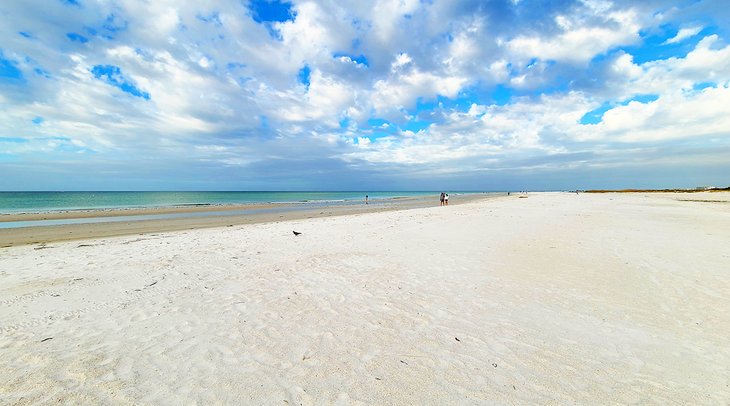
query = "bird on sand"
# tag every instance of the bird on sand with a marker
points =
(296, 232)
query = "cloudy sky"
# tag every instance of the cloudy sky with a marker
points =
(363, 95)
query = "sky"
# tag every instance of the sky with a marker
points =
(364, 95)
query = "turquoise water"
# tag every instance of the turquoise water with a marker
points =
(33, 202)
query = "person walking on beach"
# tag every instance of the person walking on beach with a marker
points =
(366, 199)
(446, 199)
(442, 198)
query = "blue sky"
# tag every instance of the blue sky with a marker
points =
(350, 95)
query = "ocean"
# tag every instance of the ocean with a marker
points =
(36, 202)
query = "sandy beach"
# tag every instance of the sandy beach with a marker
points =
(553, 299)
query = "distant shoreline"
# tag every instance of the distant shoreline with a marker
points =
(714, 189)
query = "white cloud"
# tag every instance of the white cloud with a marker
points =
(403, 89)
(401, 60)
(227, 91)
(683, 34)
(310, 35)
(578, 42)
(327, 100)
(624, 67)
(546, 126)
(386, 15)
(681, 110)
(363, 142)
(705, 113)
(705, 63)
(483, 132)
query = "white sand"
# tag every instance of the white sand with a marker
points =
(554, 299)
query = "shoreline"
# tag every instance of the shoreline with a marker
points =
(68, 213)
(245, 214)
(31, 203)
